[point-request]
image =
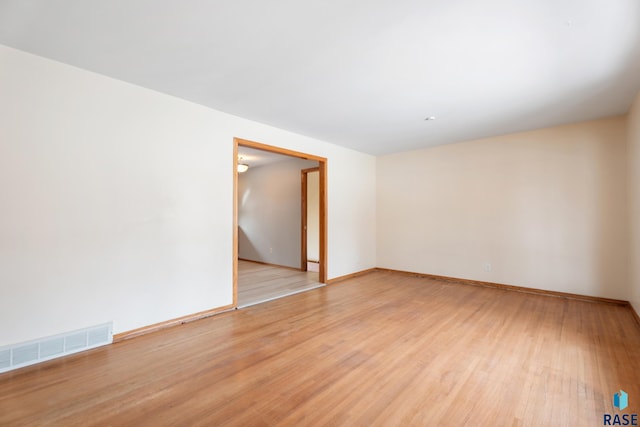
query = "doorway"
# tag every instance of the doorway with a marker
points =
(310, 220)
(239, 235)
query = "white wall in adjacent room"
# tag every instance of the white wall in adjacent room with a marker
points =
(313, 216)
(544, 209)
(270, 214)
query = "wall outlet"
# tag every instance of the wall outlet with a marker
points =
(487, 266)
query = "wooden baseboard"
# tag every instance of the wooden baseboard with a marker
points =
(509, 287)
(270, 264)
(635, 313)
(208, 313)
(170, 323)
(350, 276)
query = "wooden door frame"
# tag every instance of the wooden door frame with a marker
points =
(322, 168)
(303, 222)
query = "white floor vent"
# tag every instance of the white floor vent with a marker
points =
(28, 353)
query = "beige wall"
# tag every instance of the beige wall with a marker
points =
(546, 209)
(269, 212)
(634, 199)
(117, 201)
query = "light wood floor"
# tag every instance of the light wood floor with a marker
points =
(381, 350)
(259, 282)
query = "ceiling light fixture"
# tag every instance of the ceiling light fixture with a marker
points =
(430, 118)
(242, 167)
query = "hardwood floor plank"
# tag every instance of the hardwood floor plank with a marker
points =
(259, 282)
(380, 350)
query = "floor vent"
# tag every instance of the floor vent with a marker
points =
(28, 353)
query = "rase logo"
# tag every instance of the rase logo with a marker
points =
(620, 402)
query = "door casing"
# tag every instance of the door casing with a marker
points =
(322, 169)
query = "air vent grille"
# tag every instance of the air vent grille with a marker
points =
(28, 353)
(25, 354)
(52, 347)
(5, 359)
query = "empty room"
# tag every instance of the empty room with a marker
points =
(389, 213)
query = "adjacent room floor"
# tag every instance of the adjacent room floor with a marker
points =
(377, 350)
(260, 282)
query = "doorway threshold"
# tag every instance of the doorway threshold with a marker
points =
(297, 291)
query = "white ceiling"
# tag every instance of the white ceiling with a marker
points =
(360, 73)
